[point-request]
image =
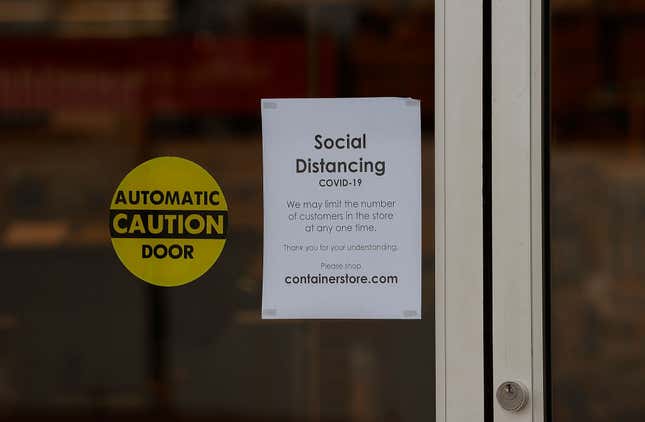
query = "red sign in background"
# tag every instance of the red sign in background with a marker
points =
(209, 74)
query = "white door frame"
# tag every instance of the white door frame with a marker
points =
(517, 202)
(489, 142)
(459, 272)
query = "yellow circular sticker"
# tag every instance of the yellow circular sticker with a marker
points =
(168, 221)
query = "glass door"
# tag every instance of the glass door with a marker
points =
(597, 174)
(90, 89)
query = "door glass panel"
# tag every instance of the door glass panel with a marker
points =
(90, 89)
(598, 210)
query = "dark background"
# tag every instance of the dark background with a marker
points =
(91, 88)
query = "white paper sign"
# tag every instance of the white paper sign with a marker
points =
(342, 208)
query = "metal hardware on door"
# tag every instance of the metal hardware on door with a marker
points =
(512, 396)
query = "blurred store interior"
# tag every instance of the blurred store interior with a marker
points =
(91, 88)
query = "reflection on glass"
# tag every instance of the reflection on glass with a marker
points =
(598, 210)
(89, 89)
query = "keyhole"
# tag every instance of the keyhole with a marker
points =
(512, 396)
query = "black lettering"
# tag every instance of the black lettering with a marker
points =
(172, 198)
(359, 142)
(156, 197)
(120, 198)
(132, 199)
(146, 251)
(160, 251)
(318, 143)
(175, 251)
(213, 198)
(188, 252)
(301, 165)
(187, 200)
(380, 168)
